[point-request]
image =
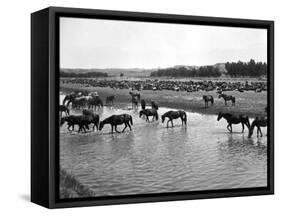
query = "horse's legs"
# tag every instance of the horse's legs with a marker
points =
(147, 119)
(242, 127)
(225, 103)
(111, 129)
(116, 129)
(168, 123)
(259, 130)
(172, 123)
(129, 126)
(124, 128)
(229, 127)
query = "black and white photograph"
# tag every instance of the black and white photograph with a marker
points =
(150, 107)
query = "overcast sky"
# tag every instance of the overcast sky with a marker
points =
(93, 43)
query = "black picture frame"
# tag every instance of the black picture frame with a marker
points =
(44, 106)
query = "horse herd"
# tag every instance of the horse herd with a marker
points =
(92, 101)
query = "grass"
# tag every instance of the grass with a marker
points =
(249, 103)
(70, 187)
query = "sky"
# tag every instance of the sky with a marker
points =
(96, 43)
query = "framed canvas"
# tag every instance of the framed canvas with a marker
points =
(132, 107)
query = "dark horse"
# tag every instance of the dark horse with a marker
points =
(69, 97)
(95, 103)
(154, 105)
(149, 112)
(135, 99)
(93, 118)
(174, 115)
(234, 119)
(115, 120)
(208, 98)
(227, 98)
(258, 122)
(81, 120)
(143, 104)
(110, 100)
(64, 109)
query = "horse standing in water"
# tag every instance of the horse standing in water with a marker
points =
(81, 120)
(115, 120)
(149, 112)
(227, 98)
(110, 100)
(93, 118)
(174, 115)
(234, 119)
(258, 122)
(208, 98)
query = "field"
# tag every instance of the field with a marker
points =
(249, 103)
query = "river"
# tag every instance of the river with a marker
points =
(154, 159)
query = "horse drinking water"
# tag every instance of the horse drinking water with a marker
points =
(149, 112)
(115, 120)
(174, 115)
(258, 122)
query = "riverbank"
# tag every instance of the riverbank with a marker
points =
(248, 103)
(70, 187)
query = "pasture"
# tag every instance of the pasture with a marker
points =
(249, 102)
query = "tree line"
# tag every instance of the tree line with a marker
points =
(83, 75)
(203, 71)
(251, 68)
(233, 69)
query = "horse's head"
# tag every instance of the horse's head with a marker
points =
(219, 116)
(163, 118)
(101, 125)
(141, 113)
(220, 95)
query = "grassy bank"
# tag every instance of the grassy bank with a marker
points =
(249, 103)
(71, 188)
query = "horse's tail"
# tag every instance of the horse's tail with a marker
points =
(156, 115)
(212, 101)
(131, 120)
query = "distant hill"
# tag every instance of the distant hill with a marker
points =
(134, 72)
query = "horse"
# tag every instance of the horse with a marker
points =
(208, 98)
(79, 102)
(234, 119)
(154, 105)
(258, 122)
(63, 108)
(174, 115)
(67, 98)
(95, 103)
(227, 98)
(136, 95)
(95, 118)
(110, 100)
(80, 120)
(115, 120)
(135, 103)
(149, 112)
(143, 104)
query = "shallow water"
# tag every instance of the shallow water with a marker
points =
(154, 159)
